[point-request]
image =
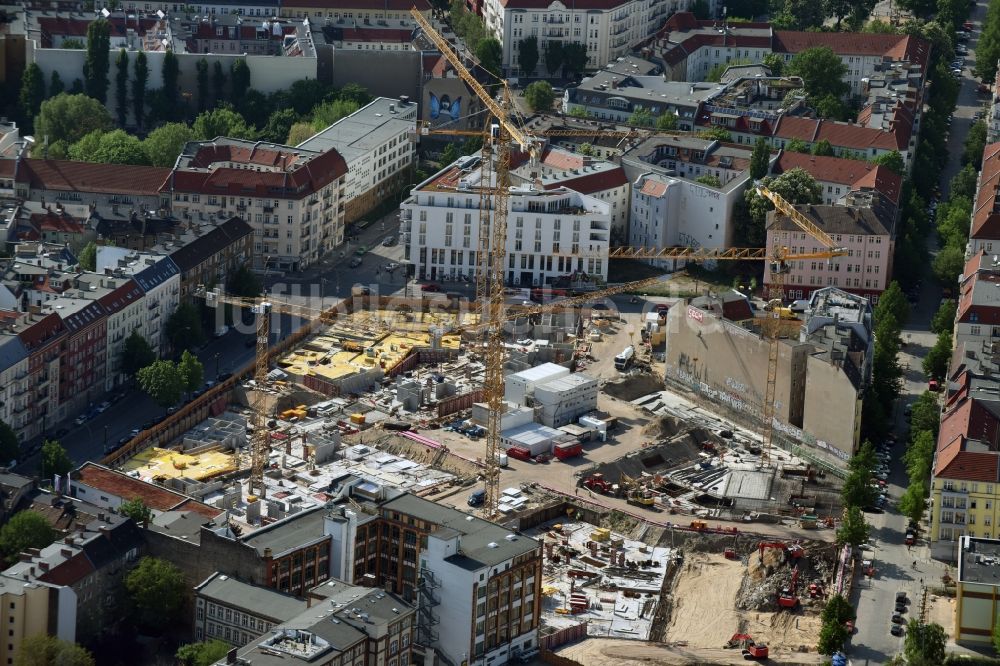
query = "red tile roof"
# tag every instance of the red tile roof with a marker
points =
(975, 277)
(854, 173)
(592, 182)
(654, 188)
(985, 216)
(70, 571)
(841, 135)
(121, 298)
(42, 332)
(377, 35)
(126, 487)
(295, 178)
(370, 5)
(57, 222)
(89, 177)
(970, 420)
(51, 27)
(895, 47)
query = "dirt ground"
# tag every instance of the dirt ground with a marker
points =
(614, 652)
(941, 610)
(705, 614)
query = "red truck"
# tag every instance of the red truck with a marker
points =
(519, 452)
(565, 450)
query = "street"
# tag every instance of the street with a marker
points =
(873, 644)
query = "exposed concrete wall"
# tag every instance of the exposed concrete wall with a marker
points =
(383, 73)
(832, 406)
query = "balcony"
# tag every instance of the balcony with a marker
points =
(268, 209)
(241, 207)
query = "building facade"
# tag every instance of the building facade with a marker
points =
(125, 307)
(13, 383)
(83, 358)
(214, 257)
(976, 591)
(42, 336)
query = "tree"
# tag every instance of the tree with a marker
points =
(278, 124)
(893, 304)
(56, 86)
(575, 58)
(716, 133)
(925, 414)
(32, 94)
(822, 72)
(666, 121)
(853, 529)
(75, 44)
(184, 328)
(527, 55)
(864, 460)
(192, 371)
(892, 161)
(701, 10)
(988, 46)
(156, 589)
(45, 650)
(115, 147)
(587, 149)
(831, 638)
(121, 86)
(774, 62)
(975, 143)
(55, 460)
(201, 67)
(553, 56)
(136, 354)
(26, 529)
(489, 53)
(139, 87)
(170, 90)
(244, 283)
(355, 92)
(448, 155)
(298, 133)
(204, 653)
(823, 149)
(162, 381)
(935, 364)
(539, 96)
(924, 644)
(838, 610)
(88, 257)
(137, 510)
(760, 159)
(218, 83)
(797, 146)
(255, 107)
(948, 264)
(9, 448)
(912, 503)
(164, 144)
(709, 179)
(641, 118)
(795, 186)
(328, 113)
(797, 14)
(963, 184)
(97, 62)
(305, 94)
(222, 122)
(240, 77)
(944, 319)
(857, 490)
(69, 118)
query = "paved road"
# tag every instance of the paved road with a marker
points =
(873, 644)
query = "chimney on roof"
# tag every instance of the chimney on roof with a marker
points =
(70, 540)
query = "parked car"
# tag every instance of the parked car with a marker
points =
(896, 630)
(389, 241)
(103, 407)
(477, 498)
(80, 420)
(361, 251)
(390, 267)
(897, 618)
(355, 262)
(430, 287)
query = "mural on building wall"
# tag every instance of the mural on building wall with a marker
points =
(448, 104)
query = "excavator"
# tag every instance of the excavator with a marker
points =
(636, 493)
(789, 597)
(750, 648)
(795, 551)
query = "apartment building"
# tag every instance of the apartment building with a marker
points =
(864, 226)
(13, 378)
(377, 143)
(838, 177)
(976, 590)
(31, 608)
(345, 626)
(993, 117)
(229, 34)
(984, 233)
(690, 48)
(368, 12)
(551, 232)
(673, 204)
(125, 308)
(212, 257)
(230, 610)
(91, 563)
(477, 585)
(42, 337)
(293, 198)
(609, 29)
(823, 371)
(115, 188)
(159, 279)
(977, 320)
(83, 354)
(264, 8)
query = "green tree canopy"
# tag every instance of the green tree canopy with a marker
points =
(156, 590)
(716, 133)
(926, 413)
(184, 328)
(299, 132)
(795, 186)
(912, 503)
(775, 62)
(975, 143)
(936, 361)
(553, 56)
(278, 125)
(328, 113)
(171, 92)
(239, 77)
(709, 179)
(489, 53)
(963, 183)
(797, 146)
(162, 381)
(760, 159)
(924, 644)
(539, 96)
(88, 257)
(449, 154)
(355, 92)
(823, 149)
(831, 638)
(32, 95)
(121, 86)
(9, 448)
(222, 122)
(666, 121)
(893, 304)
(114, 147)
(204, 653)
(641, 118)
(527, 54)
(69, 118)
(306, 94)
(45, 650)
(857, 490)
(853, 529)
(944, 319)
(56, 85)
(25, 529)
(948, 265)
(95, 66)
(892, 160)
(864, 460)
(164, 144)
(137, 510)
(192, 372)
(243, 282)
(838, 609)
(141, 70)
(136, 354)
(822, 72)
(988, 46)
(55, 460)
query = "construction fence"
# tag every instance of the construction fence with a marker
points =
(562, 637)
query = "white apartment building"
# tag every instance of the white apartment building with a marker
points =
(292, 197)
(609, 29)
(551, 232)
(126, 308)
(160, 281)
(13, 384)
(376, 142)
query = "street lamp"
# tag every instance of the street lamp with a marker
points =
(217, 363)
